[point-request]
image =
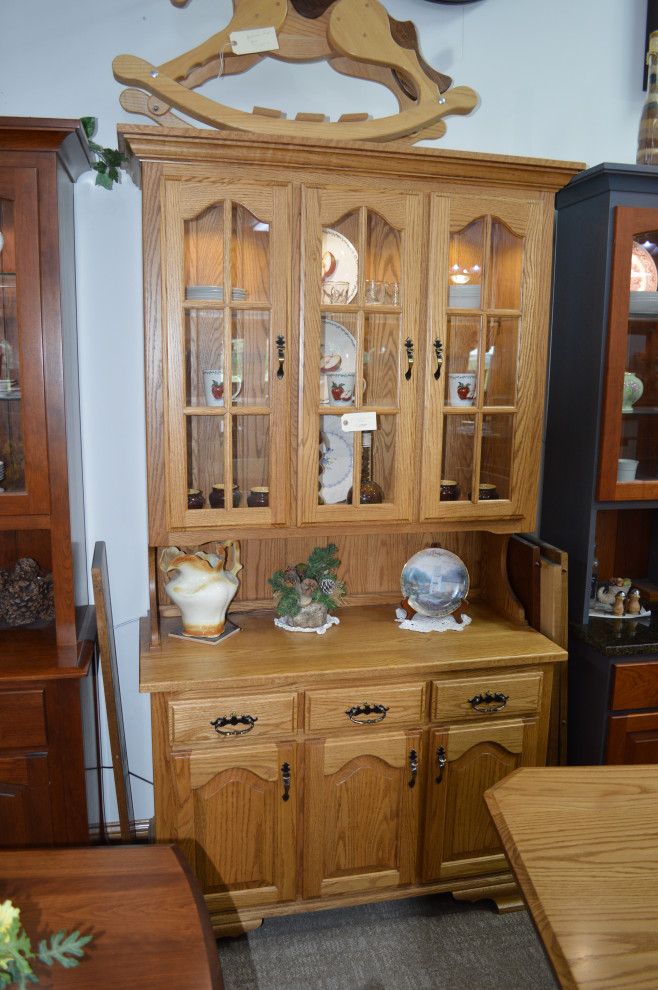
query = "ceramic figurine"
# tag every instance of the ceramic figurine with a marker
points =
(201, 587)
(634, 606)
(620, 603)
(608, 592)
(305, 593)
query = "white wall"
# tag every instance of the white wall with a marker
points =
(559, 79)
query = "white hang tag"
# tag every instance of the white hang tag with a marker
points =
(254, 40)
(353, 422)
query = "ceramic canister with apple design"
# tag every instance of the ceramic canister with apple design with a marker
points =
(461, 388)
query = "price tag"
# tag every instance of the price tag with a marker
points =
(254, 40)
(353, 422)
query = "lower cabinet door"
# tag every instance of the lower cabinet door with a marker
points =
(362, 802)
(632, 738)
(25, 801)
(460, 839)
(234, 817)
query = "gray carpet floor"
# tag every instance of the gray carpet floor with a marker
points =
(421, 943)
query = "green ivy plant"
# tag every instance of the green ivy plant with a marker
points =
(109, 160)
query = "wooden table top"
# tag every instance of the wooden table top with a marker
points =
(142, 904)
(583, 844)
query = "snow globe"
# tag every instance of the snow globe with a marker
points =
(435, 584)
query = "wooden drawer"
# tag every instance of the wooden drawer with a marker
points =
(23, 719)
(254, 716)
(391, 706)
(457, 698)
(635, 685)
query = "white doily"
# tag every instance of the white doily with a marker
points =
(426, 623)
(332, 620)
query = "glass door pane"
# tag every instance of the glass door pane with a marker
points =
(629, 434)
(12, 455)
(361, 396)
(233, 296)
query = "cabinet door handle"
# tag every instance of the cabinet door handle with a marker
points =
(285, 771)
(281, 354)
(413, 763)
(409, 347)
(487, 698)
(367, 709)
(438, 347)
(442, 758)
(234, 719)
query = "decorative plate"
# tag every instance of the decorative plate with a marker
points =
(338, 353)
(644, 277)
(336, 461)
(340, 261)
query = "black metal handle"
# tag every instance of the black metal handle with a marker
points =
(281, 354)
(438, 347)
(409, 347)
(413, 763)
(443, 759)
(487, 698)
(367, 709)
(285, 771)
(234, 719)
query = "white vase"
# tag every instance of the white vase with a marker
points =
(201, 587)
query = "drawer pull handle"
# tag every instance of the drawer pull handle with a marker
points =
(285, 770)
(487, 698)
(443, 759)
(413, 763)
(438, 347)
(409, 348)
(281, 354)
(367, 709)
(234, 719)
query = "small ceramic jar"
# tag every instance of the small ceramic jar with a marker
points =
(487, 493)
(258, 497)
(195, 499)
(216, 497)
(449, 491)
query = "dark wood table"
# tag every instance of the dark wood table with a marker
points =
(583, 842)
(142, 904)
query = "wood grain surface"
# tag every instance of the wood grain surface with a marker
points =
(581, 842)
(141, 905)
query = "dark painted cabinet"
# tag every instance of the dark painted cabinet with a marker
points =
(600, 482)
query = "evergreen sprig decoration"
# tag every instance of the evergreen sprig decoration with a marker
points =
(109, 159)
(313, 581)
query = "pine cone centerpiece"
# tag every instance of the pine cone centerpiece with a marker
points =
(306, 593)
(26, 594)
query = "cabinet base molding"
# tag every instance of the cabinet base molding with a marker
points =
(506, 896)
(500, 888)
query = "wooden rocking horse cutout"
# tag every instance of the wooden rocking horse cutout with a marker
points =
(357, 37)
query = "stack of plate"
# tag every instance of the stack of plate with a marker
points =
(644, 302)
(464, 296)
(213, 293)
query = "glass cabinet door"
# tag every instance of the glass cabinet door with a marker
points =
(628, 462)
(24, 486)
(226, 259)
(361, 338)
(481, 263)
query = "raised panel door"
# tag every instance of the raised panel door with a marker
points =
(460, 839)
(25, 801)
(233, 813)
(362, 802)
